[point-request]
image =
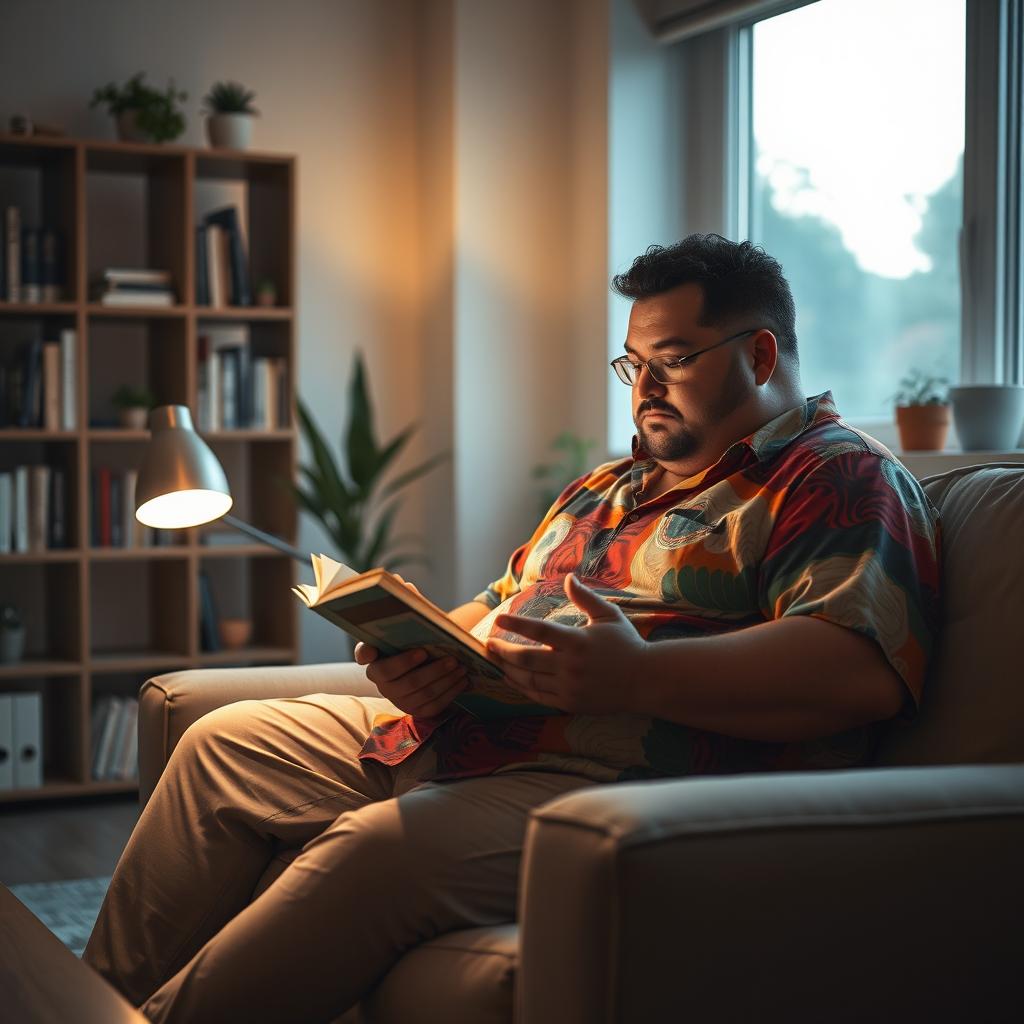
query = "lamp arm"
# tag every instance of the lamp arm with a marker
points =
(269, 539)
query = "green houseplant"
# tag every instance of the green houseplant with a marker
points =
(133, 405)
(229, 113)
(143, 114)
(922, 411)
(348, 496)
(571, 462)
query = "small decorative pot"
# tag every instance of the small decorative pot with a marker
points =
(988, 417)
(12, 644)
(128, 129)
(922, 428)
(266, 295)
(235, 633)
(229, 131)
(134, 418)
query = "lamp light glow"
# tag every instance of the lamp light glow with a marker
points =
(183, 508)
(181, 482)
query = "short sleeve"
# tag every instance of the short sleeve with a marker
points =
(856, 543)
(508, 585)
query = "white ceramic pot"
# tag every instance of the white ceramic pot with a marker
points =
(134, 418)
(988, 417)
(229, 131)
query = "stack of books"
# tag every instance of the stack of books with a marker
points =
(115, 738)
(31, 261)
(37, 385)
(237, 391)
(222, 262)
(33, 509)
(125, 287)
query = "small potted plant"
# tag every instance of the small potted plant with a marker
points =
(143, 114)
(922, 412)
(229, 113)
(133, 405)
(12, 635)
(266, 293)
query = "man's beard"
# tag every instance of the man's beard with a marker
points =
(673, 440)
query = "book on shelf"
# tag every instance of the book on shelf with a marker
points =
(51, 265)
(38, 508)
(33, 509)
(6, 513)
(231, 254)
(20, 520)
(12, 251)
(209, 632)
(112, 511)
(236, 390)
(127, 287)
(113, 730)
(68, 378)
(51, 385)
(31, 265)
(202, 269)
(37, 385)
(377, 608)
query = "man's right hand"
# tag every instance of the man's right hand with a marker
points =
(412, 681)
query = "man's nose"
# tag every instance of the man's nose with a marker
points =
(646, 385)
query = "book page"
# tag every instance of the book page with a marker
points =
(328, 572)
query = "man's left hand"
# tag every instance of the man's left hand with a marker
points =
(589, 670)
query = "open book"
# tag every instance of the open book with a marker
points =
(379, 609)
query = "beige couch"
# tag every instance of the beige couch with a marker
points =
(889, 893)
(894, 893)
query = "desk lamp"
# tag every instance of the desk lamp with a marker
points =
(182, 483)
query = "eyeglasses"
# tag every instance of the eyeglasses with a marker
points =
(665, 369)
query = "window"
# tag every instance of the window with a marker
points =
(856, 136)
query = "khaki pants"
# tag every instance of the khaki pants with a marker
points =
(386, 862)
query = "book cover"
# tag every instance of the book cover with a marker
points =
(28, 740)
(229, 360)
(51, 386)
(238, 262)
(209, 636)
(202, 271)
(145, 297)
(31, 265)
(215, 265)
(50, 252)
(130, 533)
(103, 487)
(12, 246)
(100, 712)
(38, 507)
(68, 380)
(380, 610)
(21, 514)
(31, 384)
(133, 275)
(104, 751)
(6, 512)
(58, 509)
(116, 510)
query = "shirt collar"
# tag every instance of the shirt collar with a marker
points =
(765, 442)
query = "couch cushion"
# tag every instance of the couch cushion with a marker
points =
(973, 704)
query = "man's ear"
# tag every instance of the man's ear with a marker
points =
(765, 351)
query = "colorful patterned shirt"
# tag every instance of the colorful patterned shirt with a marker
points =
(806, 516)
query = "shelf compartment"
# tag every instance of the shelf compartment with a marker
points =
(62, 742)
(140, 353)
(147, 601)
(32, 449)
(253, 588)
(41, 181)
(46, 595)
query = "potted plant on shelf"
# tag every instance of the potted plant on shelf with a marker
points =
(133, 405)
(922, 412)
(229, 111)
(12, 635)
(143, 114)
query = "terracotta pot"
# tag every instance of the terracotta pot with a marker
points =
(923, 428)
(235, 633)
(128, 129)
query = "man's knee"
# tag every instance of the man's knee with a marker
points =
(235, 727)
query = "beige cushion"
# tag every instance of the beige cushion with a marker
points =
(973, 704)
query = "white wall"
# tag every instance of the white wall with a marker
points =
(452, 179)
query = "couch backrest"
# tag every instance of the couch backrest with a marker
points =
(973, 705)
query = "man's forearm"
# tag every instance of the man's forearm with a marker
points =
(469, 614)
(787, 680)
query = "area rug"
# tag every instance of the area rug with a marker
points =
(69, 909)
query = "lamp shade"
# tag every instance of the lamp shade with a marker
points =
(181, 482)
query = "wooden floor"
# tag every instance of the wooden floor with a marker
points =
(48, 842)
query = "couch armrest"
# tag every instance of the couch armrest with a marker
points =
(879, 894)
(170, 703)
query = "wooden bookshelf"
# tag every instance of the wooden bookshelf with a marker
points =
(100, 620)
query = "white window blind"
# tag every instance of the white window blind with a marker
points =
(674, 20)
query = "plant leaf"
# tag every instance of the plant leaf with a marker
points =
(330, 485)
(360, 442)
(413, 474)
(381, 533)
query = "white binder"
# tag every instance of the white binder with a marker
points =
(28, 740)
(6, 741)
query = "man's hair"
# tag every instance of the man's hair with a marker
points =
(739, 279)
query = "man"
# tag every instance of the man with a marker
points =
(754, 588)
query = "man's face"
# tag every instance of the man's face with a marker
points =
(678, 421)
